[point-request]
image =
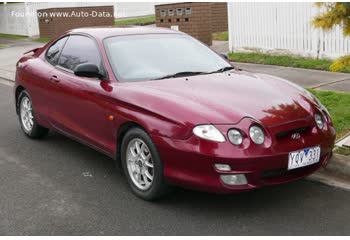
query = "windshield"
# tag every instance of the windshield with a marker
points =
(155, 56)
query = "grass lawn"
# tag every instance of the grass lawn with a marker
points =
(338, 105)
(136, 21)
(283, 60)
(2, 46)
(221, 36)
(343, 151)
(11, 36)
(42, 40)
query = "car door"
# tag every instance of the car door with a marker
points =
(39, 81)
(73, 101)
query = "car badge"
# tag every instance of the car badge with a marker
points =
(295, 136)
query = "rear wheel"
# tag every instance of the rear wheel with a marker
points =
(142, 165)
(27, 119)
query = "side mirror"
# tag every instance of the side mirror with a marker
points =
(224, 56)
(88, 70)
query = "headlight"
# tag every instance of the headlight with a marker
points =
(208, 132)
(326, 114)
(235, 137)
(319, 120)
(257, 134)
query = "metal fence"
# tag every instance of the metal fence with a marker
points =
(282, 27)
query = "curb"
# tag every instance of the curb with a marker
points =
(336, 173)
(6, 81)
(326, 177)
(339, 164)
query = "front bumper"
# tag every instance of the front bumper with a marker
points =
(190, 163)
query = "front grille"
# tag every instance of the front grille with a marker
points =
(286, 133)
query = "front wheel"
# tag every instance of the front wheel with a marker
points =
(27, 119)
(142, 165)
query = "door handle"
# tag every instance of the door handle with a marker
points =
(54, 79)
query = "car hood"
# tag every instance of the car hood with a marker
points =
(223, 98)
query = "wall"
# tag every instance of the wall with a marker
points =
(282, 27)
(205, 18)
(10, 24)
(219, 17)
(51, 24)
(196, 23)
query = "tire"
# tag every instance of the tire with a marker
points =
(140, 162)
(26, 117)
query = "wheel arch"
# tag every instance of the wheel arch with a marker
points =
(18, 91)
(123, 129)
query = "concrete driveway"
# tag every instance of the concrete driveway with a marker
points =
(11, 54)
(320, 80)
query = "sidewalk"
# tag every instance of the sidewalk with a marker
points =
(321, 80)
(11, 54)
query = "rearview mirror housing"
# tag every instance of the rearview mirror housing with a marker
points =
(224, 56)
(88, 70)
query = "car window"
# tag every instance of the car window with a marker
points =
(54, 50)
(78, 50)
(153, 56)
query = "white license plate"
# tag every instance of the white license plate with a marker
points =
(303, 157)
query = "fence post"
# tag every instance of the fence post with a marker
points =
(316, 34)
(230, 28)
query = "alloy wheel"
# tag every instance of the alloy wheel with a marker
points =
(26, 112)
(140, 164)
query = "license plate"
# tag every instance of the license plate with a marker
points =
(303, 157)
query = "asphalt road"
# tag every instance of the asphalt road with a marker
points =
(56, 186)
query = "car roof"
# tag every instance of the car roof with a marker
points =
(104, 32)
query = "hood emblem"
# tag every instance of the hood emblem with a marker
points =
(295, 136)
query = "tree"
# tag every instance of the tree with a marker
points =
(332, 14)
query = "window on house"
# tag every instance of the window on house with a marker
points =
(162, 13)
(179, 11)
(171, 12)
(188, 11)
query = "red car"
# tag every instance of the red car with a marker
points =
(171, 111)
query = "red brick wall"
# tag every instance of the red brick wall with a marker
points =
(219, 20)
(196, 24)
(205, 18)
(51, 26)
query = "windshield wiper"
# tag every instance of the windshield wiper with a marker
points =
(224, 69)
(188, 73)
(180, 74)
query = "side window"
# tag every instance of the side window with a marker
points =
(54, 50)
(78, 50)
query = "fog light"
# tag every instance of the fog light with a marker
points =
(222, 167)
(234, 179)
